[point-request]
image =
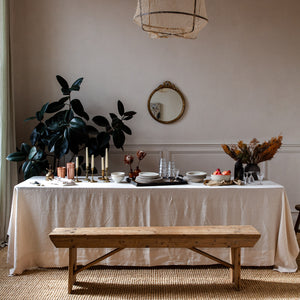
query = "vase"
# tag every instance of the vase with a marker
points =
(238, 170)
(254, 168)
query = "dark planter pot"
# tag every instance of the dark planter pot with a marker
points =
(253, 168)
(238, 170)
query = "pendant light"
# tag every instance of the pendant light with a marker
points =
(171, 18)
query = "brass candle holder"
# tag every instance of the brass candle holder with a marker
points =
(77, 180)
(106, 175)
(92, 180)
(102, 177)
(87, 173)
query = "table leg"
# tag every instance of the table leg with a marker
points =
(236, 270)
(72, 268)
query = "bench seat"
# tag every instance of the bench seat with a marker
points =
(191, 237)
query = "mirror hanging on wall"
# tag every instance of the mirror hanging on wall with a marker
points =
(166, 103)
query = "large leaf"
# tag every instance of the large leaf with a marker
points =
(126, 129)
(16, 156)
(128, 115)
(78, 109)
(32, 152)
(57, 121)
(113, 116)
(52, 141)
(63, 99)
(55, 107)
(120, 108)
(103, 139)
(77, 123)
(39, 116)
(61, 147)
(69, 115)
(25, 148)
(39, 155)
(76, 85)
(64, 85)
(34, 136)
(116, 124)
(118, 138)
(44, 108)
(101, 121)
(30, 118)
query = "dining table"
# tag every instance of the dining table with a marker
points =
(39, 206)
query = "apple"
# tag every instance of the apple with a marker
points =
(226, 172)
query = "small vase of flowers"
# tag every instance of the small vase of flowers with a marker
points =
(128, 159)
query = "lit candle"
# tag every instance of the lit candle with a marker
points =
(106, 158)
(77, 162)
(102, 163)
(92, 162)
(87, 156)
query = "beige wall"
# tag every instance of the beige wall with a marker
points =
(241, 77)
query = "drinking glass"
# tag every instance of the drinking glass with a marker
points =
(260, 177)
(171, 170)
(163, 168)
(245, 177)
(251, 178)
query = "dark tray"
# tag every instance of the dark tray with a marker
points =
(164, 182)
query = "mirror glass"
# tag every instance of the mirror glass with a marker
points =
(166, 103)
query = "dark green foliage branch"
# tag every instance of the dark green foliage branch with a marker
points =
(66, 131)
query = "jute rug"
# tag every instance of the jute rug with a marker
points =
(149, 283)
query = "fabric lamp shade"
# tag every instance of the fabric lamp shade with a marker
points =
(171, 18)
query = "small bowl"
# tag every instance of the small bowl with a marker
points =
(117, 176)
(220, 177)
(196, 176)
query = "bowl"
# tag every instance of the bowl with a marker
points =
(196, 176)
(220, 177)
(117, 176)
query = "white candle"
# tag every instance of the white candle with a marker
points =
(102, 163)
(92, 162)
(106, 158)
(77, 162)
(87, 156)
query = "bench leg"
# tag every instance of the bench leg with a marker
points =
(236, 270)
(72, 268)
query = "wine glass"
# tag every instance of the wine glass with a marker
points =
(245, 177)
(251, 178)
(260, 177)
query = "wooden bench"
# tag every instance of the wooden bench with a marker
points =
(191, 237)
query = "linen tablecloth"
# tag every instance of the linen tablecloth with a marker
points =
(37, 210)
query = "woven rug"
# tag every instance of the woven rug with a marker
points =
(149, 283)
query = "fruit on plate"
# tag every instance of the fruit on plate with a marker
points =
(228, 172)
(217, 172)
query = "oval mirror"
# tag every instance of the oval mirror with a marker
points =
(166, 103)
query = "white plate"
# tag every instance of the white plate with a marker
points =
(149, 174)
(147, 180)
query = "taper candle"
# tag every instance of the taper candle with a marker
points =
(106, 158)
(102, 163)
(77, 162)
(87, 156)
(92, 162)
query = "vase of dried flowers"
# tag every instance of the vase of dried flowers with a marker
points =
(253, 153)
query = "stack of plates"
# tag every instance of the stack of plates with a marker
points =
(148, 177)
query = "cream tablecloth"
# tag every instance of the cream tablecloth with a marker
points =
(37, 210)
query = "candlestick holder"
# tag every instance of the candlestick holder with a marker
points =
(87, 173)
(77, 180)
(106, 175)
(92, 180)
(102, 177)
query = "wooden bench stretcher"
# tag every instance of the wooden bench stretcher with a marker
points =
(191, 237)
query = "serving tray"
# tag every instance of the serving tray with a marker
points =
(163, 182)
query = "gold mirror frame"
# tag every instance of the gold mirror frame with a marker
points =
(168, 85)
